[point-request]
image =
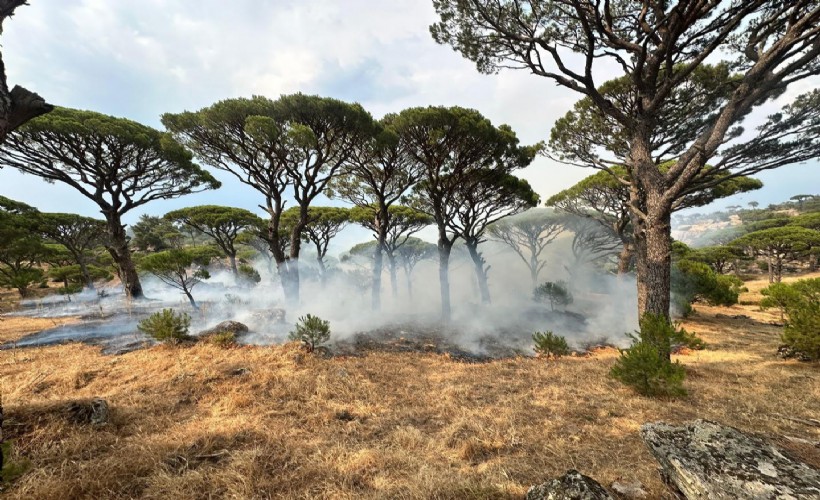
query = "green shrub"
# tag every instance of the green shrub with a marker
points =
(222, 339)
(166, 326)
(645, 365)
(12, 469)
(550, 345)
(692, 281)
(311, 331)
(644, 368)
(248, 275)
(800, 301)
(554, 292)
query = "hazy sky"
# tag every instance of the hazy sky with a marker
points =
(140, 58)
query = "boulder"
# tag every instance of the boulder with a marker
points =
(708, 460)
(629, 489)
(94, 412)
(234, 327)
(571, 486)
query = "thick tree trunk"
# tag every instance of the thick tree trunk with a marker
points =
(234, 270)
(533, 270)
(118, 248)
(778, 269)
(480, 271)
(625, 258)
(376, 287)
(654, 252)
(444, 248)
(770, 266)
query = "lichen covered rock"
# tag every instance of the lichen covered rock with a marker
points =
(706, 460)
(571, 486)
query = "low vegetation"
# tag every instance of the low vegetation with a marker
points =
(312, 331)
(799, 303)
(646, 365)
(549, 345)
(166, 326)
(268, 421)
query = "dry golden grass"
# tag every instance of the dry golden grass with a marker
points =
(189, 422)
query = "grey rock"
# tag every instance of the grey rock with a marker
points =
(571, 486)
(707, 460)
(234, 327)
(629, 490)
(94, 412)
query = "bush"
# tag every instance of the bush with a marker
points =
(692, 281)
(800, 301)
(248, 275)
(554, 292)
(166, 326)
(645, 365)
(550, 345)
(311, 331)
(222, 339)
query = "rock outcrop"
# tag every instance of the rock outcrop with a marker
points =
(234, 327)
(706, 460)
(571, 486)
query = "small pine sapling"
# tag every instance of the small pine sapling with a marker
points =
(550, 345)
(166, 326)
(311, 331)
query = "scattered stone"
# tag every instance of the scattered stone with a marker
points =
(234, 327)
(629, 490)
(571, 486)
(706, 460)
(94, 412)
(345, 416)
(788, 352)
(729, 316)
(238, 372)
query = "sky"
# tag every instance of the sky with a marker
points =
(140, 58)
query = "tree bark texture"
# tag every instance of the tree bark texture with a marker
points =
(118, 248)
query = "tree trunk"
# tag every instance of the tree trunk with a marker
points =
(322, 270)
(654, 263)
(89, 282)
(770, 265)
(480, 271)
(234, 270)
(444, 248)
(625, 258)
(191, 299)
(778, 269)
(408, 275)
(376, 287)
(118, 248)
(394, 283)
(533, 270)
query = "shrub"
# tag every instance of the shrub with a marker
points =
(692, 281)
(645, 365)
(550, 345)
(222, 339)
(800, 301)
(554, 292)
(248, 275)
(311, 331)
(166, 326)
(649, 372)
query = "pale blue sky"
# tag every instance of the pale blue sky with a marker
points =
(140, 58)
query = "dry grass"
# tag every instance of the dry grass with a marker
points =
(260, 422)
